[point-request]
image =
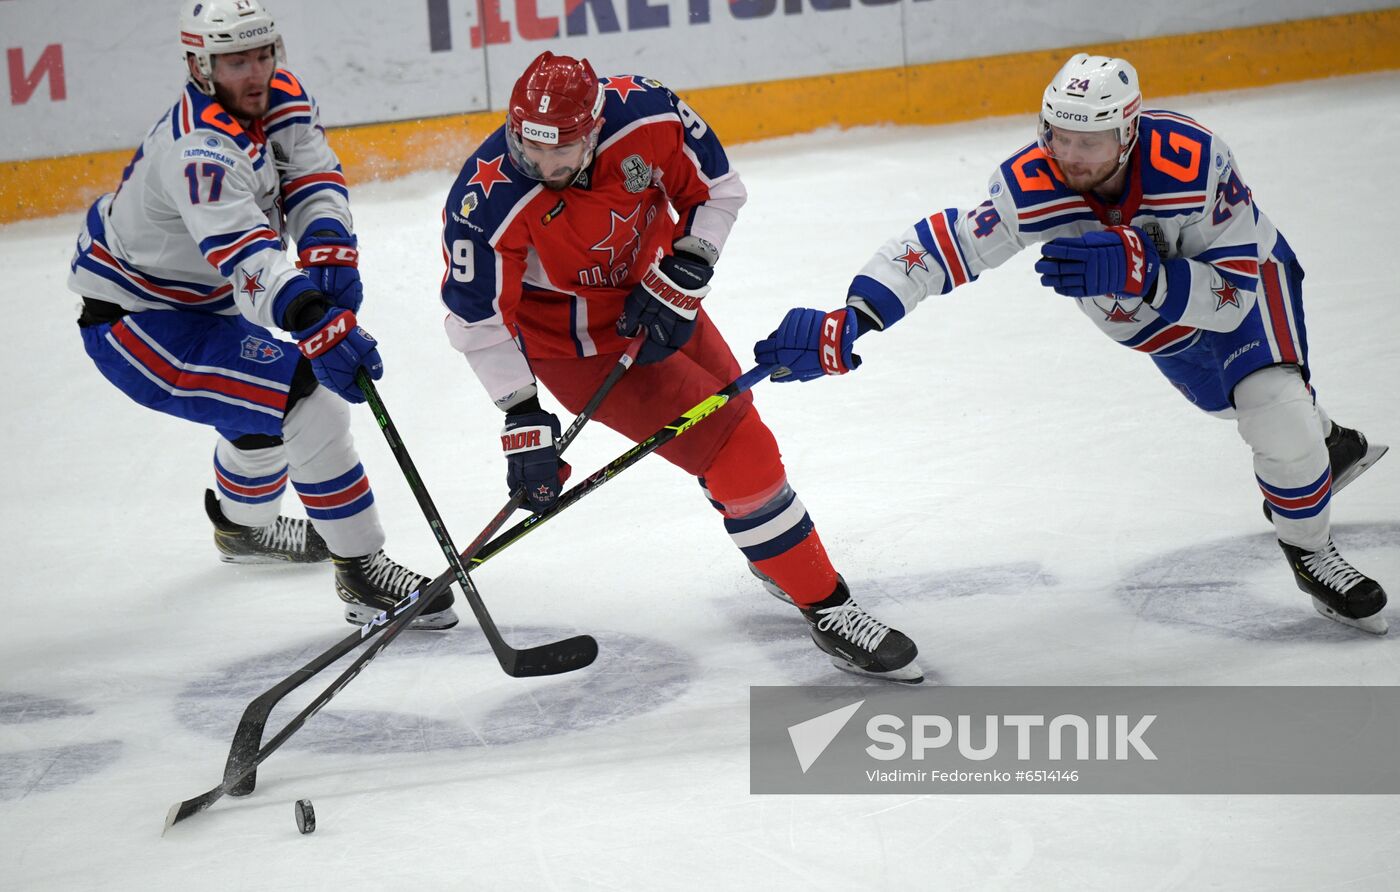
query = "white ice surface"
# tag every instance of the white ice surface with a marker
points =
(999, 480)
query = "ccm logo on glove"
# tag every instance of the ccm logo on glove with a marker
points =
(328, 255)
(832, 340)
(1137, 264)
(330, 334)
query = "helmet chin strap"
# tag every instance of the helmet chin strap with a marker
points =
(1126, 152)
(195, 73)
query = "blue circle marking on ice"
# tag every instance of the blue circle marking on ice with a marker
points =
(41, 770)
(1241, 587)
(633, 676)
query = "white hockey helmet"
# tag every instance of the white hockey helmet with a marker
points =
(1093, 93)
(211, 27)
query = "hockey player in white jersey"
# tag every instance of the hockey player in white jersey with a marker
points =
(184, 273)
(1148, 225)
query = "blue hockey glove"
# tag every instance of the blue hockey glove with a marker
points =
(332, 262)
(1119, 260)
(337, 347)
(532, 458)
(664, 305)
(809, 344)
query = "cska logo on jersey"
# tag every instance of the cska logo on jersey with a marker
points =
(911, 258)
(622, 233)
(251, 286)
(1226, 294)
(488, 174)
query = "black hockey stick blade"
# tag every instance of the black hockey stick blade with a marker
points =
(554, 658)
(181, 810)
(407, 611)
(247, 738)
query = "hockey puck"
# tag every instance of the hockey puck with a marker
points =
(306, 816)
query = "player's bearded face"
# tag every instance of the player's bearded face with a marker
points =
(242, 81)
(558, 164)
(1087, 159)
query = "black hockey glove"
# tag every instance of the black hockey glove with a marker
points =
(532, 457)
(663, 306)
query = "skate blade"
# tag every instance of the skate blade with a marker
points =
(1374, 451)
(1375, 624)
(257, 559)
(772, 589)
(770, 586)
(907, 674)
(426, 622)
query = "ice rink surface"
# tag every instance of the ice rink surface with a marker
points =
(1030, 502)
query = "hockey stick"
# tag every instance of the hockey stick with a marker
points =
(244, 756)
(239, 772)
(404, 613)
(545, 659)
(676, 428)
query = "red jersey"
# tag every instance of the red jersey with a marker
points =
(551, 269)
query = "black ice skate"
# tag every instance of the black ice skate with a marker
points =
(857, 642)
(284, 540)
(374, 583)
(1339, 591)
(1349, 454)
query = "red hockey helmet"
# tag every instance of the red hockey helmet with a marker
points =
(556, 100)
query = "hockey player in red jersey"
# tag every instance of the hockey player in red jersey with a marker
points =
(183, 270)
(595, 215)
(1148, 225)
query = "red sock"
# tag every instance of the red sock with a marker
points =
(803, 571)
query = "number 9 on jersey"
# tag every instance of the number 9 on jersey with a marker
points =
(463, 261)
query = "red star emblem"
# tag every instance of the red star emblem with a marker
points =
(488, 174)
(622, 86)
(1116, 313)
(621, 234)
(251, 286)
(911, 258)
(1226, 294)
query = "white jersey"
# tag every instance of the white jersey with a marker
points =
(1184, 190)
(201, 219)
